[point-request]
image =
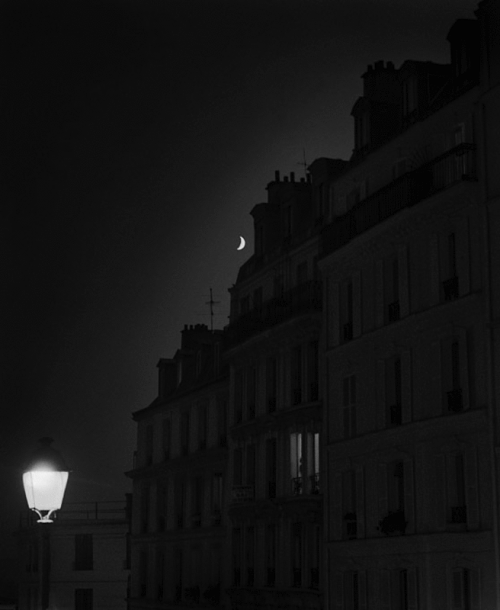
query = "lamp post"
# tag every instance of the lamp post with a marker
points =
(44, 479)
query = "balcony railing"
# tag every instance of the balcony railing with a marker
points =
(450, 289)
(300, 300)
(458, 514)
(315, 483)
(456, 165)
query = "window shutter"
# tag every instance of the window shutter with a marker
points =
(338, 593)
(409, 495)
(406, 389)
(381, 401)
(412, 589)
(360, 502)
(382, 490)
(337, 507)
(384, 589)
(379, 293)
(362, 605)
(356, 304)
(404, 281)
(471, 488)
(439, 503)
(463, 256)
(434, 286)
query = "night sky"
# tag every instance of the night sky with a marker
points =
(135, 138)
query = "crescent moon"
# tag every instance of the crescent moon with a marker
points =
(242, 243)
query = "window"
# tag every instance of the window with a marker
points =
(271, 467)
(178, 574)
(288, 221)
(251, 391)
(313, 370)
(349, 405)
(160, 573)
(237, 556)
(296, 463)
(455, 372)
(185, 433)
(180, 491)
(349, 506)
(162, 504)
(450, 283)
(313, 440)
(396, 498)
(315, 557)
(238, 466)
(352, 590)
(297, 554)
(272, 383)
(84, 599)
(396, 487)
(270, 542)
(394, 391)
(217, 491)
(202, 426)
(250, 556)
(166, 438)
(404, 589)
(465, 589)
(197, 501)
(250, 465)
(238, 396)
(257, 298)
(392, 290)
(346, 311)
(297, 375)
(409, 97)
(144, 512)
(457, 511)
(222, 422)
(149, 445)
(244, 305)
(84, 552)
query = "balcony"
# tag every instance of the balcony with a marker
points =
(297, 486)
(303, 299)
(458, 514)
(242, 494)
(393, 311)
(314, 479)
(454, 166)
(350, 526)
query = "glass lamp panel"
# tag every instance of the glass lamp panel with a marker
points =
(45, 489)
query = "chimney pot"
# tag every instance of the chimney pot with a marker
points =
(292, 176)
(277, 176)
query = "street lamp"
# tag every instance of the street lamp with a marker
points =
(44, 479)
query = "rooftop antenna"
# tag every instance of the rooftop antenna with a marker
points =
(303, 162)
(212, 303)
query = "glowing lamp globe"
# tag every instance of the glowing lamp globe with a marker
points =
(44, 479)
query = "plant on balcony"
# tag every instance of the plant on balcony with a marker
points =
(393, 523)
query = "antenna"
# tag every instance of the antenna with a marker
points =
(303, 162)
(212, 303)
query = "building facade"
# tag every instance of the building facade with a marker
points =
(179, 480)
(408, 326)
(80, 561)
(354, 464)
(276, 507)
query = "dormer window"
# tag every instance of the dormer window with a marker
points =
(362, 130)
(409, 96)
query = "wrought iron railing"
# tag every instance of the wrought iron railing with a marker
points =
(455, 165)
